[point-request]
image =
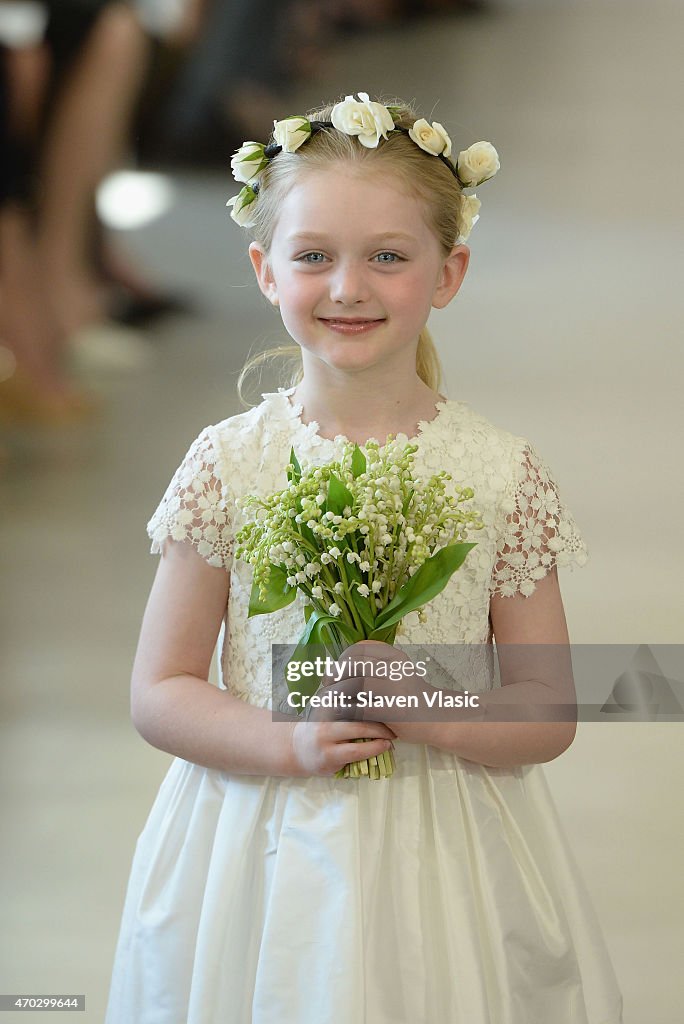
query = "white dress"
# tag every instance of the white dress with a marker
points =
(444, 895)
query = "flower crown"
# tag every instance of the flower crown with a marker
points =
(370, 122)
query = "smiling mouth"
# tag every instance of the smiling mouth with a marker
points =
(356, 326)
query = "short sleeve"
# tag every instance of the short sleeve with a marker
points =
(195, 507)
(535, 530)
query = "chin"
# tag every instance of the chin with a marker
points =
(353, 360)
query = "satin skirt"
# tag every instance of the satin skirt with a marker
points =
(444, 895)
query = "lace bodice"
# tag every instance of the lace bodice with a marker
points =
(527, 527)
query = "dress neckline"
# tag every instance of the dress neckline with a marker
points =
(295, 410)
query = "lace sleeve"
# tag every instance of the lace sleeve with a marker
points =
(195, 507)
(535, 529)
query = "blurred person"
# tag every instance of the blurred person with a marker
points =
(228, 85)
(248, 54)
(99, 51)
(34, 385)
(105, 82)
(71, 73)
(353, 15)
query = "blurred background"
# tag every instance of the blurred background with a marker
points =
(128, 307)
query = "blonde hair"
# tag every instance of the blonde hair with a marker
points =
(420, 174)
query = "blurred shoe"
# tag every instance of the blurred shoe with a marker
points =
(138, 311)
(420, 8)
(24, 403)
(8, 363)
(110, 347)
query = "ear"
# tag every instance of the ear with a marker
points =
(451, 276)
(264, 274)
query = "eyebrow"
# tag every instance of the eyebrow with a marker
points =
(316, 236)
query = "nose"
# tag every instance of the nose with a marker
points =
(348, 284)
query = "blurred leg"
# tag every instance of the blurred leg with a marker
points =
(238, 50)
(34, 388)
(24, 325)
(33, 385)
(86, 138)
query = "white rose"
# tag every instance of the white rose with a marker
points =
(291, 132)
(248, 162)
(469, 215)
(241, 204)
(365, 118)
(432, 138)
(477, 163)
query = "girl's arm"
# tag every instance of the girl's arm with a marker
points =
(175, 708)
(530, 679)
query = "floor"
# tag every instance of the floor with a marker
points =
(567, 330)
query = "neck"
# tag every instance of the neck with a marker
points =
(366, 408)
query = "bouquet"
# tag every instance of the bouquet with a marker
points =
(365, 542)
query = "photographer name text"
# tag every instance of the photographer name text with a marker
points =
(370, 699)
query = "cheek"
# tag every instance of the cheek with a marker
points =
(297, 303)
(414, 294)
(297, 292)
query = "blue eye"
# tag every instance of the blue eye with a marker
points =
(394, 256)
(306, 256)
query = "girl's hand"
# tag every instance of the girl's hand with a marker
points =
(364, 671)
(323, 747)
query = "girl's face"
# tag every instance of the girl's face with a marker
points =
(355, 270)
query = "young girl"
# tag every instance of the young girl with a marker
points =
(264, 889)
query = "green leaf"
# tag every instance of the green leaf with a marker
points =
(345, 544)
(294, 471)
(362, 605)
(339, 497)
(358, 462)
(314, 636)
(385, 636)
(348, 632)
(407, 502)
(279, 594)
(317, 620)
(329, 627)
(307, 685)
(303, 529)
(351, 568)
(338, 642)
(308, 535)
(426, 583)
(305, 126)
(247, 195)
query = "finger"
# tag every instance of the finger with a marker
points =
(347, 731)
(360, 751)
(340, 703)
(333, 714)
(344, 691)
(348, 664)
